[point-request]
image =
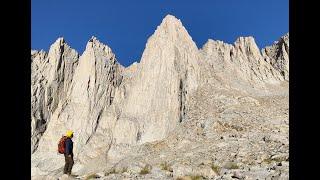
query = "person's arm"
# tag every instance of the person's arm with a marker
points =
(71, 148)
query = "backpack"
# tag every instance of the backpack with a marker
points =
(62, 145)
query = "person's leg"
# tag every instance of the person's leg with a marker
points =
(70, 161)
(66, 165)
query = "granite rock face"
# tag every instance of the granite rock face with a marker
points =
(178, 112)
(241, 66)
(278, 55)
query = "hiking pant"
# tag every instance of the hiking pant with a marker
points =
(68, 165)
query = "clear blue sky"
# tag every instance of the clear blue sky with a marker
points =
(125, 25)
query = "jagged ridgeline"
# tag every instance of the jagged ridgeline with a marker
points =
(113, 109)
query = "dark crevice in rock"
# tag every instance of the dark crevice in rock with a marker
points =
(182, 97)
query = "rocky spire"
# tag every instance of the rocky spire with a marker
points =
(51, 79)
(91, 91)
(167, 72)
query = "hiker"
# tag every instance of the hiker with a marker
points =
(68, 153)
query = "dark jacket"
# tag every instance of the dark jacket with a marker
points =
(69, 147)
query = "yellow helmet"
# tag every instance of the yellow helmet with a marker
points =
(69, 133)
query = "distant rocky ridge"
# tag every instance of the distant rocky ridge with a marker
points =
(113, 109)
